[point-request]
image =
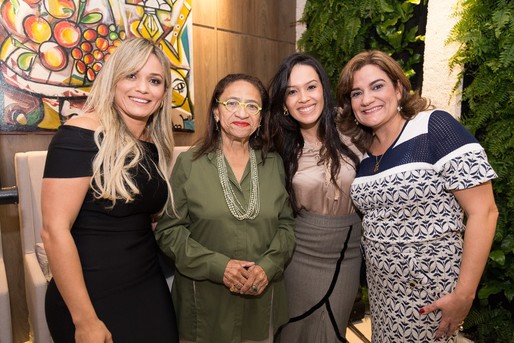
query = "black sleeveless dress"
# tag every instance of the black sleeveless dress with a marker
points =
(117, 250)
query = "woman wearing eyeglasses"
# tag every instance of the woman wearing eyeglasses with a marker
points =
(233, 231)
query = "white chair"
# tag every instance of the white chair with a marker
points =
(29, 168)
(5, 307)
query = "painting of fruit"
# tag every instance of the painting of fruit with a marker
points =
(53, 50)
(67, 34)
(53, 56)
(60, 9)
(8, 16)
(37, 28)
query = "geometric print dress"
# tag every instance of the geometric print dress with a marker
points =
(413, 226)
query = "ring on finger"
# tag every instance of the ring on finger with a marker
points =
(233, 288)
(255, 288)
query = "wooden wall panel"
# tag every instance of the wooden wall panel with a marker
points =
(265, 18)
(206, 75)
(247, 36)
(284, 21)
(204, 13)
(250, 54)
(231, 15)
(232, 53)
(269, 53)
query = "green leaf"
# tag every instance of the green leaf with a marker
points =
(68, 11)
(25, 60)
(384, 5)
(489, 289)
(497, 256)
(509, 294)
(91, 18)
(507, 243)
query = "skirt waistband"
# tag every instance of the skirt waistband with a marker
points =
(328, 221)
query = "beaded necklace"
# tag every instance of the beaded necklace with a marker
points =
(235, 207)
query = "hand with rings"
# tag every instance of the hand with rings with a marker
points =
(235, 288)
(257, 281)
(236, 275)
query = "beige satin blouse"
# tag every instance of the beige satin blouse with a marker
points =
(315, 192)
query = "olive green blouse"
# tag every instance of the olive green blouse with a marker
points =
(205, 236)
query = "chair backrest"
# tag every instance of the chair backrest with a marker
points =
(29, 167)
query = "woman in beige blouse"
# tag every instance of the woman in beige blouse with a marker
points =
(322, 278)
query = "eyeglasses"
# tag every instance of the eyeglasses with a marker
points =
(233, 105)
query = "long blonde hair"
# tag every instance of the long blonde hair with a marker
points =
(118, 149)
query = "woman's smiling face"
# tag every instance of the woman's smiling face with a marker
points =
(140, 94)
(304, 96)
(374, 97)
(238, 125)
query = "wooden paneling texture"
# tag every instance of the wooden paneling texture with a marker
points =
(248, 36)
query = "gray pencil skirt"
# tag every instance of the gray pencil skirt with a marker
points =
(322, 279)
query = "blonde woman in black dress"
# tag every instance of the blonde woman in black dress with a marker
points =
(105, 177)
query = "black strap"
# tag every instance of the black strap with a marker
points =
(325, 299)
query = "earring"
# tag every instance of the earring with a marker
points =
(399, 108)
(355, 120)
(286, 112)
(258, 130)
(216, 121)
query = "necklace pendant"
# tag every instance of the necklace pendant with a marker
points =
(375, 168)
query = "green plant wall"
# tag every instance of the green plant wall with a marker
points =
(485, 33)
(339, 29)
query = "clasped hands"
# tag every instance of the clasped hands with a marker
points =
(244, 277)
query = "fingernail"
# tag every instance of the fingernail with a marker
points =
(422, 310)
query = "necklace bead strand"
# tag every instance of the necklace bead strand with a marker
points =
(233, 203)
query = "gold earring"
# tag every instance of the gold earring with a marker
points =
(286, 112)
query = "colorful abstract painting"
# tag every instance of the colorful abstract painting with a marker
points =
(52, 50)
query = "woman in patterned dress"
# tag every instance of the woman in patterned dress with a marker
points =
(322, 278)
(423, 173)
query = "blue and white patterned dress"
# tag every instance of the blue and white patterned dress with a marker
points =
(413, 224)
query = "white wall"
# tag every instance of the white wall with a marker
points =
(438, 81)
(300, 5)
